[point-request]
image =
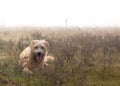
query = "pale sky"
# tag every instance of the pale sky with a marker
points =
(55, 12)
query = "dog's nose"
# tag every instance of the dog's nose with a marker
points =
(39, 53)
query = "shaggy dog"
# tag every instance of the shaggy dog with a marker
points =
(34, 55)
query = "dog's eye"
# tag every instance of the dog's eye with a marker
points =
(42, 47)
(36, 47)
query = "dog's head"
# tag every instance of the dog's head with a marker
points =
(39, 49)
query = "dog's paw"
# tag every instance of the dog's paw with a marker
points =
(48, 59)
(26, 70)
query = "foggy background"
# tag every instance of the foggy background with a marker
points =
(90, 13)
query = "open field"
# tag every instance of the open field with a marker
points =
(84, 57)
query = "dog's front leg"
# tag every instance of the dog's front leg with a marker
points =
(27, 70)
(44, 64)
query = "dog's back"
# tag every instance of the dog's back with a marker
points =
(24, 55)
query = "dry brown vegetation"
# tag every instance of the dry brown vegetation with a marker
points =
(84, 57)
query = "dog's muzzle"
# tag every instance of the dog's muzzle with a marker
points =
(39, 57)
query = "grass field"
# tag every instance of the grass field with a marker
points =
(83, 57)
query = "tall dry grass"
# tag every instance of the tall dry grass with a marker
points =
(83, 57)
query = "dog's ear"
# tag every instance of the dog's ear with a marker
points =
(46, 44)
(33, 42)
